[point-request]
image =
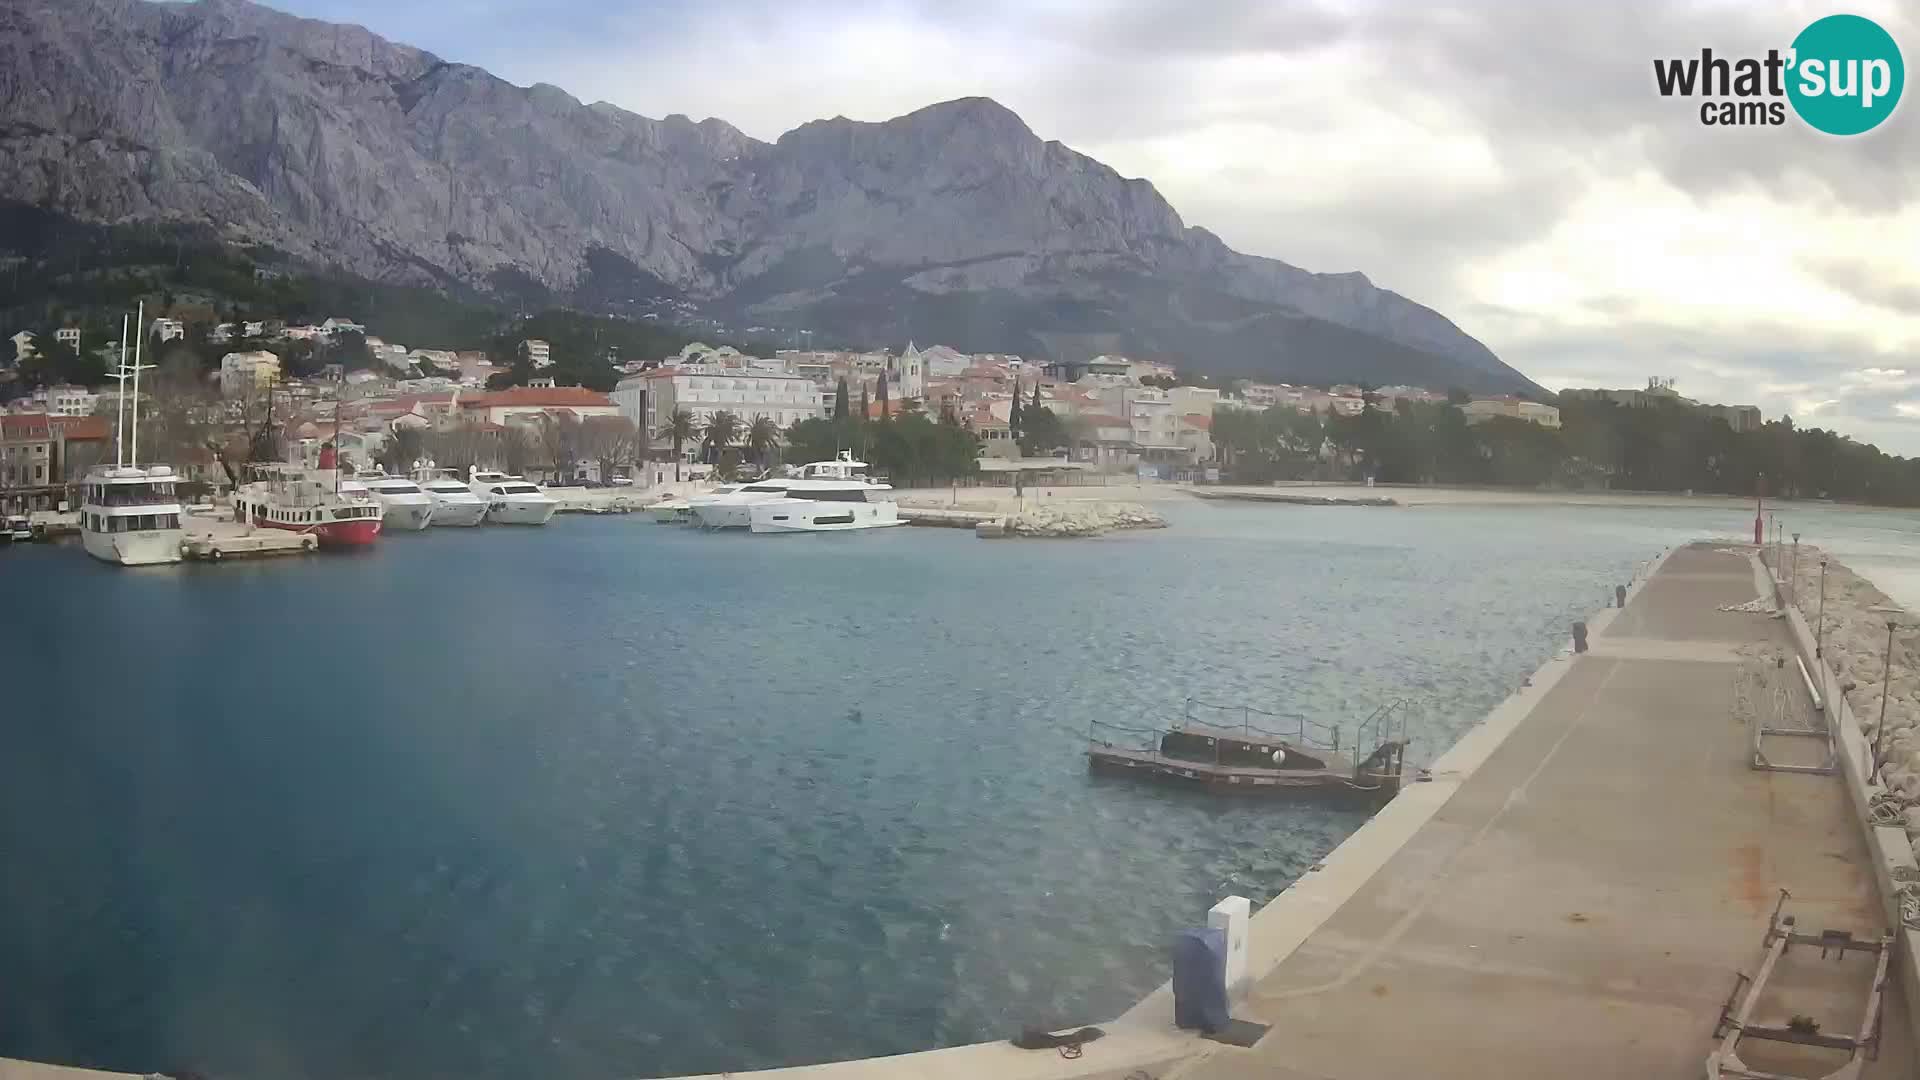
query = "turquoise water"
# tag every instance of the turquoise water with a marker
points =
(611, 799)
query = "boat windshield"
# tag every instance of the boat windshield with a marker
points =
(764, 487)
(396, 487)
(520, 489)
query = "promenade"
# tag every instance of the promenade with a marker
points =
(1579, 906)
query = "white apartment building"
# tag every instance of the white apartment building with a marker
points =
(66, 400)
(650, 397)
(167, 329)
(539, 353)
(70, 335)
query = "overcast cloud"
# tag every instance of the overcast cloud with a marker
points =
(1506, 163)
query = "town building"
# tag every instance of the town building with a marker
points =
(527, 404)
(244, 371)
(68, 400)
(23, 346)
(167, 329)
(26, 456)
(537, 352)
(69, 336)
(334, 327)
(650, 397)
(1480, 410)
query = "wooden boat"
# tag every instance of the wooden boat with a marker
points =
(1251, 761)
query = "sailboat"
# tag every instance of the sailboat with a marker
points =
(130, 514)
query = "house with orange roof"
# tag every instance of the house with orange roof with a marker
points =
(526, 404)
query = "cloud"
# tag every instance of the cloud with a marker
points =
(1865, 281)
(1510, 164)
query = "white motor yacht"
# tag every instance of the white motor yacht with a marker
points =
(454, 503)
(829, 496)
(511, 500)
(403, 504)
(728, 510)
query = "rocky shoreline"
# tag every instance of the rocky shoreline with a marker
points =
(1063, 520)
(1853, 643)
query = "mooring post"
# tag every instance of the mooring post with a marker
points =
(1230, 916)
(1580, 637)
(1619, 596)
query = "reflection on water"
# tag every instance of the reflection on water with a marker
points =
(611, 799)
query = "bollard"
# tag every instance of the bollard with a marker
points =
(1230, 917)
(1580, 637)
(1619, 596)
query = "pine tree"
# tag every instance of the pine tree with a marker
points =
(1013, 414)
(863, 402)
(882, 395)
(840, 399)
(1036, 394)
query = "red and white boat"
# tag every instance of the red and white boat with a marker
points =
(309, 501)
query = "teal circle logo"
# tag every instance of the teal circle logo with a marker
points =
(1846, 75)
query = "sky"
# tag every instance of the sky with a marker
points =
(1509, 164)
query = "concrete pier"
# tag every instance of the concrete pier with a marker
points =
(1579, 904)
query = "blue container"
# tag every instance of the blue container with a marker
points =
(1200, 980)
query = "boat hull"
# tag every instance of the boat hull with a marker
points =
(407, 517)
(151, 547)
(521, 512)
(336, 534)
(806, 515)
(458, 515)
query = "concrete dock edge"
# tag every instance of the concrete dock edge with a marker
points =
(1892, 857)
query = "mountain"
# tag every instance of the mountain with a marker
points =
(953, 223)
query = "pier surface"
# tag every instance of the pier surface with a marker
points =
(1580, 905)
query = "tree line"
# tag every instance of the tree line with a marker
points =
(1601, 444)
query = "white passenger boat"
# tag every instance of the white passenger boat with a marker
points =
(130, 514)
(511, 500)
(403, 505)
(454, 503)
(829, 496)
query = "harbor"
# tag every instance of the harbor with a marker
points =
(1524, 888)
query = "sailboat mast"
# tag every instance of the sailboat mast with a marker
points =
(133, 455)
(120, 409)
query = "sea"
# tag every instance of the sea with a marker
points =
(614, 799)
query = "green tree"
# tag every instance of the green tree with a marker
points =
(722, 430)
(840, 399)
(882, 395)
(1013, 411)
(1043, 433)
(763, 440)
(681, 428)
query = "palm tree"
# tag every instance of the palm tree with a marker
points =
(722, 429)
(681, 427)
(763, 438)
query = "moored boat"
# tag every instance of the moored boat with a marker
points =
(403, 505)
(454, 503)
(311, 501)
(511, 500)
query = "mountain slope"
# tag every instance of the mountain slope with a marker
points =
(954, 222)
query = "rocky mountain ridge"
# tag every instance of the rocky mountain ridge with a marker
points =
(954, 222)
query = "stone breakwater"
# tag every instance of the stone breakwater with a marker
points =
(1854, 645)
(1072, 519)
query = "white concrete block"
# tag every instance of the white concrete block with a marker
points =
(1231, 916)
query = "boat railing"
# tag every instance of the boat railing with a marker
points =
(1252, 721)
(1124, 737)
